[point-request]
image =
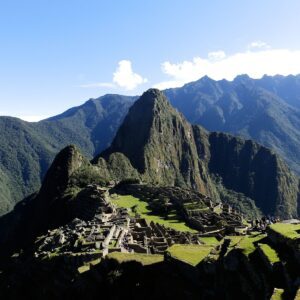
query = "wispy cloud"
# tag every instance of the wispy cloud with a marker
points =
(258, 45)
(218, 65)
(124, 77)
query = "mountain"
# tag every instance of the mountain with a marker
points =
(166, 150)
(75, 239)
(265, 110)
(158, 142)
(28, 149)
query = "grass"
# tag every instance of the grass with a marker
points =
(83, 269)
(144, 259)
(287, 230)
(277, 294)
(129, 201)
(247, 245)
(191, 254)
(210, 240)
(87, 266)
(234, 240)
(270, 253)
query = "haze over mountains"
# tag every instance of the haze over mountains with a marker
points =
(265, 110)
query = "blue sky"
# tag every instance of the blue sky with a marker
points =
(55, 54)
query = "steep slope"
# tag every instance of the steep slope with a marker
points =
(156, 144)
(27, 149)
(45, 209)
(167, 150)
(159, 143)
(255, 171)
(265, 110)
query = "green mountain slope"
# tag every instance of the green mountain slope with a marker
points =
(265, 110)
(166, 150)
(27, 149)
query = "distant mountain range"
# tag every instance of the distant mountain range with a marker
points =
(266, 110)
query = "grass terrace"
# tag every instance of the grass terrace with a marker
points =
(210, 240)
(277, 294)
(141, 207)
(144, 259)
(247, 243)
(290, 231)
(234, 240)
(191, 254)
(270, 253)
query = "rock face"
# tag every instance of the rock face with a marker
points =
(166, 150)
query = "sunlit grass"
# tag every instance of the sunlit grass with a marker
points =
(210, 240)
(270, 253)
(247, 245)
(141, 207)
(287, 230)
(191, 254)
(144, 259)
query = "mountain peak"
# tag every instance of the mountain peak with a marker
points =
(242, 78)
(159, 142)
(151, 98)
(138, 125)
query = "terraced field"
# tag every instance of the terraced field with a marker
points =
(141, 207)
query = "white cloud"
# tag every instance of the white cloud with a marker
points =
(258, 45)
(254, 63)
(32, 118)
(123, 77)
(217, 55)
(126, 78)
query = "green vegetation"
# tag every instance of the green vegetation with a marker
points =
(277, 294)
(234, 240)
(28, 149)
(142, 208)
(210, 240)
(191, 254)
(289, 231)
(247, 243)
(270, 253)
(144, 259)
(83, 269)
(239, 201)
(87, 175)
